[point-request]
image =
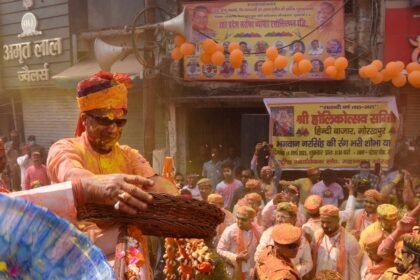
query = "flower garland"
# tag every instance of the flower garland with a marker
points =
(193, 257)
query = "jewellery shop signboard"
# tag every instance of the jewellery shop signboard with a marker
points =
(333, 132)
(34, 50)
(314, 28)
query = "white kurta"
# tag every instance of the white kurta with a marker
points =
(227, 247)
(328, 253)
(303, 260)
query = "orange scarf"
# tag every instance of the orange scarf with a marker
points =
(341, 246)
(240, 247)
(361, 218)
(375, 271)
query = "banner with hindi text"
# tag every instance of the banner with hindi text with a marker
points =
(333, 132)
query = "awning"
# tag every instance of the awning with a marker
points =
(82, 70)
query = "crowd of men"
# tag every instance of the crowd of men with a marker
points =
(25, 164)
(316, 227)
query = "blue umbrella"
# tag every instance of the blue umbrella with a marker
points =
(36, 244)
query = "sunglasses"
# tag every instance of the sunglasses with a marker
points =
(107, 121)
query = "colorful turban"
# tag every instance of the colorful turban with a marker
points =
(312, 204)
(254, 197)
(215, 198)
(252, 184)
(2, 151)
(285, 234)
(204, 181)
(312, 171)
(103, 90)
(329, 211)
(387, 211)
(373, 240)
(375, 195)
(287, 207)
(246, 211)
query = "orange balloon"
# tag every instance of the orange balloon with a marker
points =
(179, 40)
(304, 66)
(412, 66)
(341, 63)
(271, 53)
(377, 79)
(399, 81)
(331, 71)
(329, 61)
(267, 67)
(217, 58)
(187, 49)
(298, 56)
(378, 64)
(362, 72)
(341, 74)
(280, 62)
(414, 78)
(386, 77)
(220, 48)
(236, 64)
(233, 46)
(400, 65)
(176, 54)
(209, 46)
(371, 71)
(393, 69)
(205, 58)
(295, 70)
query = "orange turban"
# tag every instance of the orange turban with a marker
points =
(254, 197)
(373, 240)
(375, 195)
(312, 204)
(252, 184)
(285, 234)
(312, 171)
(215, 198)
(329, 211)
(103, 90)
(287, 207)
(204, 182)
(246, 211)
(387, 211)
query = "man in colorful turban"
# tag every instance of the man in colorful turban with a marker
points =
(238, 243)
(373, 266)
(95, 150)
(276, 260)
(386, 222)
(217, 200)
(334, 248)
(286, 213)
(366, 216)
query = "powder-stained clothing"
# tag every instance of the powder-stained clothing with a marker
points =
(74, 157)
(331, 194)
(227, 190)
(36, 174)
(303, 260)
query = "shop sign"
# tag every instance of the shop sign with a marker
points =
(333, 132)
(286, 25)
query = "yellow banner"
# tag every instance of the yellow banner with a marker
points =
(315, 28)
(333, 132)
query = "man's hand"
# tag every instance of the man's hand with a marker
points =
(126, 190)
(242, 256)
(406, 224)
(349, 185)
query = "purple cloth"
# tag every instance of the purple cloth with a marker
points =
(330, 195)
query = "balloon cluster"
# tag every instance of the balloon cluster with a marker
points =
(336, 68)
(273, 61)
(301, 65)
(236, 55)
(182, 48)
(213, 52)
(394, 71)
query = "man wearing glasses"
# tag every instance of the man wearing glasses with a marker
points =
(126, 175)
(275, 262)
